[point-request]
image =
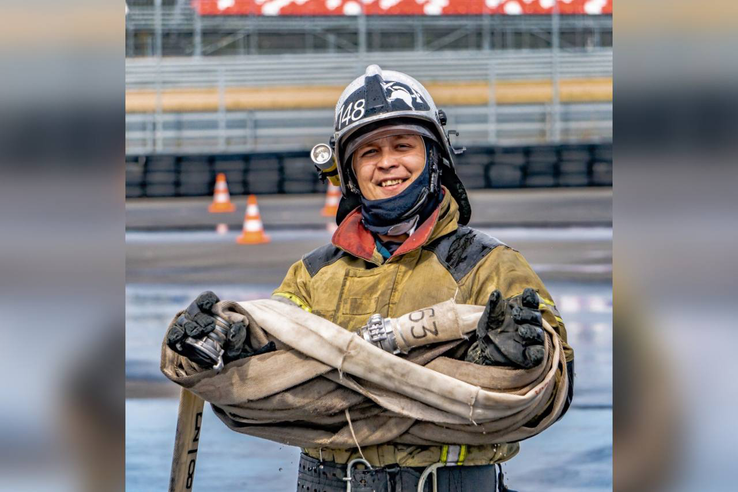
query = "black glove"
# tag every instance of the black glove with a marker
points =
(194, 335)
(194, 325)
(509, 332)
(236, 346)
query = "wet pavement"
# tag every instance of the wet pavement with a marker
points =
(168, 268)
(208, 258)
(573, 455)
(532, 207)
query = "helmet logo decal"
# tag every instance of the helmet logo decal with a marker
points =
(397, 92)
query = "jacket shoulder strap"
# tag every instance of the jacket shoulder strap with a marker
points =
(460, 251)
(321, 257)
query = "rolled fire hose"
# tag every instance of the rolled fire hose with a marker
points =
(332, 345)
(441, 400)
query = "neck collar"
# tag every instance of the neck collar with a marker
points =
(355, 239)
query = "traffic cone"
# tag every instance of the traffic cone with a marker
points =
(221, 198)
(221, 229)
(253, 229)
(332, 197)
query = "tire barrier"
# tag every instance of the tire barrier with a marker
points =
(548, 166)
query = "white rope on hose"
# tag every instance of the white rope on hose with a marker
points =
(351, 428)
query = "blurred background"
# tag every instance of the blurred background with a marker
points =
(249, 87)
(246, 88)
(63, 241)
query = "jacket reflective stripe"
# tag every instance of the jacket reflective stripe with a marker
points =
(453, 454)
(296, 300)
(551, 307)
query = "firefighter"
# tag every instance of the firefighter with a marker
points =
(402, 244)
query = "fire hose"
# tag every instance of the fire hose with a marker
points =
(322, 377)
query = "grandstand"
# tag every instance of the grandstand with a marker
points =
(248, 86)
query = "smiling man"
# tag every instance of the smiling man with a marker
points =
(402, 244)
(386, 167)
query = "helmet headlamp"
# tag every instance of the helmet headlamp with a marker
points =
(322, 157)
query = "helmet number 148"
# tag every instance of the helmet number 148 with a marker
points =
(346, 115)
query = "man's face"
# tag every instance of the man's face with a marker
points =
(385, 167)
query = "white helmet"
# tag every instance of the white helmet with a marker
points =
(383, 98)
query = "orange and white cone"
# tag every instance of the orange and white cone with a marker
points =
(221, 229)
(253, 229)
(221, 198)
(332, 197)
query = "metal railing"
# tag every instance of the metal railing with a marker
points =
(255, 131)
(190, 34)
(249, 131)
(144, 17)
(339, 69)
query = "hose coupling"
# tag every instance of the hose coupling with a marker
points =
(378, 331)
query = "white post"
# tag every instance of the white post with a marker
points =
(362, 39)
(197, 48)
(221, 111)
(491, 100)
(555, 135)
(158, 116)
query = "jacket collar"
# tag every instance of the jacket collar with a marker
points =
(353, 238)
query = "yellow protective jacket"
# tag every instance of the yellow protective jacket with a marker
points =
(349, 280)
